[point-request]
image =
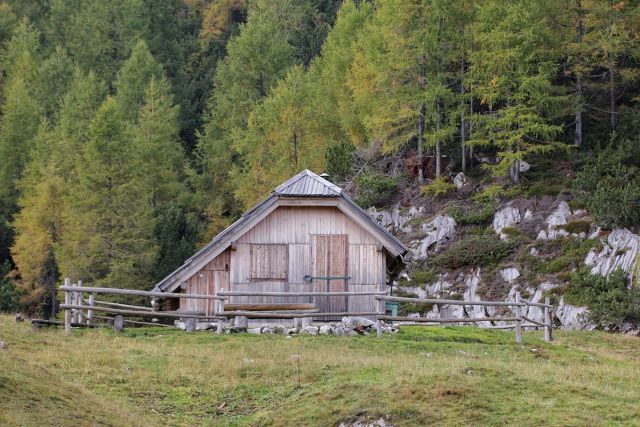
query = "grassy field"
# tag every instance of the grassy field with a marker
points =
(444, 376)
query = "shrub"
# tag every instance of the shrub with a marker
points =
(477, 216)
(8, 293)
(374, 189)
(405, 308)
(422, 277)
(577, 227)
(609, 186)
(482, 250)
(609, 300)
(438, 187)
(339, 160)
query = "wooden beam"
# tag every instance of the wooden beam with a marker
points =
(274, 315)
(295, 294)
(142, 313)
(427, 320)
(268, 307)
(116, 291)
(449, 301)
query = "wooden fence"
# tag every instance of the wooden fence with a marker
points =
(79, 310)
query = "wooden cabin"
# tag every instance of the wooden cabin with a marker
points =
(307, 235)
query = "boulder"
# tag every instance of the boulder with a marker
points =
(560, 216)
(460, 180)
(440, 230)
(572, 317)
(254, 331)
(510, 274)
(523, 166)
(310, 330)
(355, 322)
(506, 217)
(325, 330)
(267, 330)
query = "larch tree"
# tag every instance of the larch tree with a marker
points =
(511, 76)
(108, 222)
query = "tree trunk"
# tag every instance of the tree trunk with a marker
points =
(471, 131)
(515, 171)
(421, 122)
(612, 93)
(463, 148)
(438, 152)
(579, 34)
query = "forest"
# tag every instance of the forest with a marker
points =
(132, 131)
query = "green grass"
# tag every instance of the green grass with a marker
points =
(443, 376)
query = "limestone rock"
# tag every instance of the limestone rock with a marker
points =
(460, 180)
(523, 166)
(440, 230)
(310, 330)
(560, 216)
(355, 322)
(510, 274)
(254, 331)
(572, 317)
(620, 249)
(325, 330)
(505, 217)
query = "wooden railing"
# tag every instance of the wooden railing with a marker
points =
(79, 310)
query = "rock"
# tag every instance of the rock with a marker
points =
(460, 180)
(395, 220)
(267, 330)
(505, 217)
(310, 330)
(440, 230)
(523, 166)
(254, 331)
(325, 330)
(534, 252)
(19, 317)
(620, 249)
(355, 322)
(572, 317)
(560, 216)
(2, 345)
(338, 330)
(510, 274)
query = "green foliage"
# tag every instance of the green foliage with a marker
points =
(374, 189)
(609, 186)
(405, 308)
(438, 187)
(9, 298)
(609, 299)
(483, 250)
(481, 215)
(339, 160)
(423, 277)
(577, 227)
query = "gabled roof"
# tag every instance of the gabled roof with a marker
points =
(308, 184)
(304, 186)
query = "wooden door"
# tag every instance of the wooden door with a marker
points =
(330, 262)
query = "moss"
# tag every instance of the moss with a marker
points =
(576, 204)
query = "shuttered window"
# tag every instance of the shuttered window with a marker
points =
(269, 262)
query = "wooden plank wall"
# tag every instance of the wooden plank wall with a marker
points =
(293, 226)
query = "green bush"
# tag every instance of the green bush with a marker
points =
(422, 277)
(609, 186)
(405, 308)
(478, 216)
(8, 294)
(438, 187)
(339, 160)
(577, 227)
(482, 250)
(609, 300)
(374, 189)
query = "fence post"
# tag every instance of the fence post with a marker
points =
(519, 319)
(219, 313)
(547, 320)
(67, 313)
(80, 303)
(118, 322)
(378, 321)
(92, 298)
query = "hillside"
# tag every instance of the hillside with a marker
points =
(452, 376)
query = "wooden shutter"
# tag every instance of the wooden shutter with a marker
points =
(269, 262)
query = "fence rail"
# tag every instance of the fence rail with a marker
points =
(79, 311)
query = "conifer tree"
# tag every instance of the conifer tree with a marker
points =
(108, 223)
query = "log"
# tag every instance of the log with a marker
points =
(135, 322)
(118, 323)
(448, 301)
(535, 322)
(80, 302)
(295, 294)
(142, 313)
(427, 320)
(268, 307)
(276, 315)
(118, 305)
(116, 291)
(548, 313)
(92, 299)
(48, 322)
(219, 306)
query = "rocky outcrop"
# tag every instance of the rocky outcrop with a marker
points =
(620, 249)
(440, 230)
(510, 274)
(460, 180)
(508, 216)
(572, 317)
(395, 220)
(560, 216)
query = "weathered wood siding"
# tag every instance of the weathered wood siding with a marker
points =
(247, 266)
